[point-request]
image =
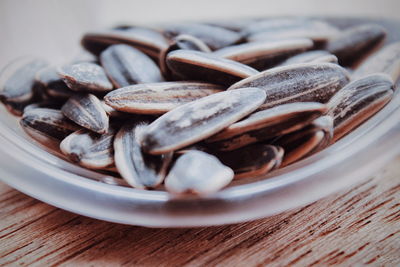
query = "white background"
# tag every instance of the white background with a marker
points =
(52, 28)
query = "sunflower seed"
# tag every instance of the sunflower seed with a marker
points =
(183, 41)
(47, 126)
(274, 121)
(194, 65)
(90, 150)
(262, 55)
(158, 98)
(87, 111)
(140, 170)
(253, 160)
(18, 87)
(146, 40)
(316, 30)
(306, 141)
(358, 101)
(271, 122)
(386, 60)
(85, 77)
(53, 86)
(197, 120)
(198, 173)
(306, 82)
(316, 56)
(355, 43)
(215, 37)
(126, 65)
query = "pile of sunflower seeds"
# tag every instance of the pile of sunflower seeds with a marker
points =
(192, 106)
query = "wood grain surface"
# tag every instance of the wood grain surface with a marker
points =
(356, 227)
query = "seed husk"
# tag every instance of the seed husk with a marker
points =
(47, 126)
(386, 60)
(54, 86)
(197, 172)
(315, 56)
(266, 124)
(183, 41)
(89, 149)
(125, 65)
(358, 101)
(140, 170)
(146, 40)
(262, 55)
(315, 30)
(86, 110)
(18, 86)
(305, 82)
(195, 65)
(158, 98)
(306, 141)
(253, 160)
(85, 77)
(356, 42)
(197, 120)
(273, 122)
(213, 36)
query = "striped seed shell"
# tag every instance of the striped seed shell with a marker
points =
(213, 36)
(358, 101)
(386, 60)
(195, 65)
(253, 160)
(284, 28)
(85, 77)
(266, 124)
(158, 98)
(198, 173)
(356, 42)
(125, 65)
(306, 141)
(90, 150)
(262, 55)
(197, 120)
(183, 41)
(47, 126)
(18, 86)
(146, 40)
(140, 170)
(305, 82)
(315, 56)
(54, 86)
(86, 110)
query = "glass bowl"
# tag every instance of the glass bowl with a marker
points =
(32, 170)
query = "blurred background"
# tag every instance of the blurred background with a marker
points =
(52, 28)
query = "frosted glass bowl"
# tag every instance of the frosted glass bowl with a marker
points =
(35, 172)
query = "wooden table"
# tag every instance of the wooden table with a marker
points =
(358, 226)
